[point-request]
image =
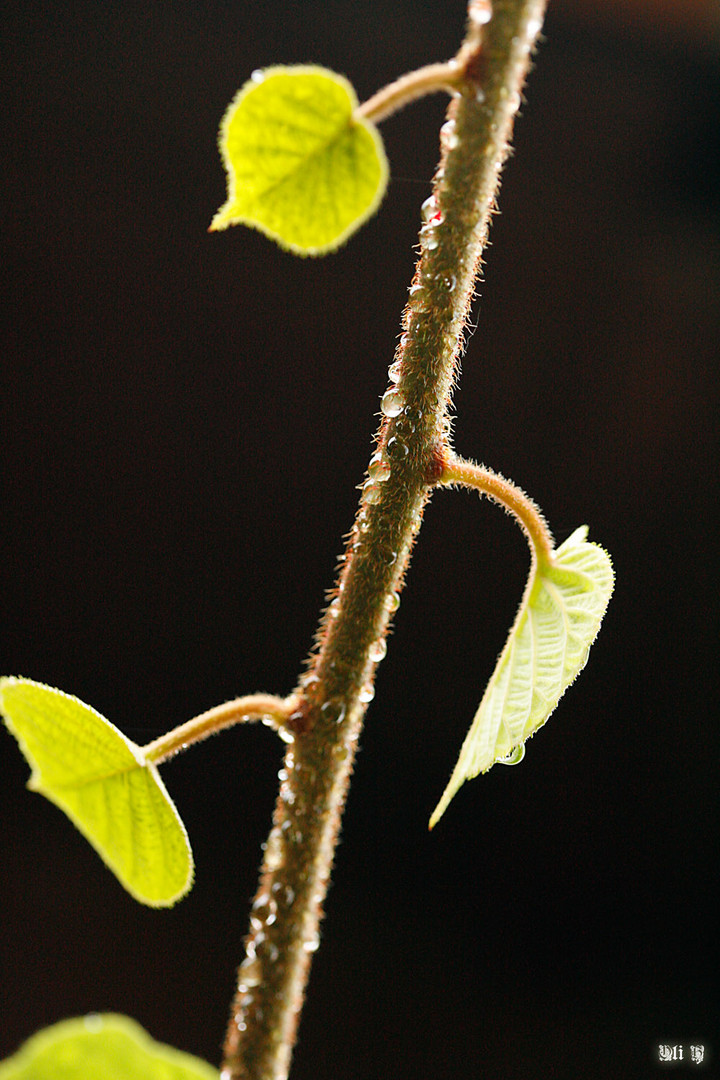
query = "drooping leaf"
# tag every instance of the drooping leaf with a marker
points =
(88, 768)
(548, 645)
(101, 1047)
(301, 167)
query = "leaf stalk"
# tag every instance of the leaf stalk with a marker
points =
(512, 498)
(275, 711)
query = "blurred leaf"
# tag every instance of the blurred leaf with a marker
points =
(88, 768)
(101, 1047)
(548, 645)
(301, 167)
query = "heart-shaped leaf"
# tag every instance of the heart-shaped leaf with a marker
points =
(301, 166)
(83, 764)
(101, 1047)
(548, 645)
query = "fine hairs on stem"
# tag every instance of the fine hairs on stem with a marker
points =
(306, 166)
(487, 77)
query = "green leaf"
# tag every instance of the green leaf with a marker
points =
(101, 1047)
(548, 645)
(301, 167)
(83, 764)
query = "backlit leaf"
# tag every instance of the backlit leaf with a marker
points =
(88, 768)
(548, 645)
(301, 167)
(101, 1047)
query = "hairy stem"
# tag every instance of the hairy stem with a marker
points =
(275, 711)
(392, 98)
(496, 487)
(412, 447)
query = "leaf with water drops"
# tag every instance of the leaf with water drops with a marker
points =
(559, 617)
(302, 167)
(101, 1047)
(83, 764)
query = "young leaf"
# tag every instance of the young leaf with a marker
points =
(301, 167)
(548, 645)
(101, 1047)
(83, 764)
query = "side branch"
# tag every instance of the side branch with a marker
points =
(417, 84)
(526, 512)
(273, 710)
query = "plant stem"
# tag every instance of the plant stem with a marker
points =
(267, 707)
(392, 98)
(412, 450)
(496, 487)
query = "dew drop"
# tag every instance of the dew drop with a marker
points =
(334, 608)
(250, 974)
(393, 402)
(430, 211)
(367, 693)
(341, 753)
(378, 650)
(448, 281)
(257, 76)
(274, 858)
(396, 449)
(533, 27)
(413, 415)
(449, 135)
(415, 288)
(428, 238)
(312, 944)
(395, 370)
(310, 683)
(379, 468)
(372, 492)
(333, 710)
(480, 12)
(428, 208)
(514, 757)
(514, 101)
(392, 602)
(264, 905)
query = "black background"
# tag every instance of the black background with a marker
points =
(184, 420)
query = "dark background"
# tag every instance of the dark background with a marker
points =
(184, 420)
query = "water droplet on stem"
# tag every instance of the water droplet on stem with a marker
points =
(393, 402)
(378, 650)
(379, 468)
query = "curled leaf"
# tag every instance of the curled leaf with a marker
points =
(301, 167)
(548, 646)
(82, 763)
